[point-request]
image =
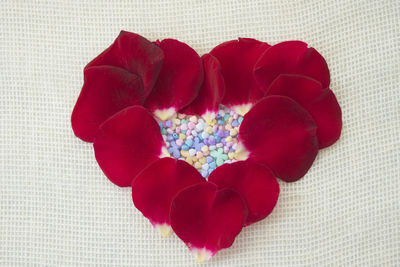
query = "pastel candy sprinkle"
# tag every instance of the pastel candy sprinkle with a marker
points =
(179, 142)
(203, 144)
(193, 119)
(199, 127)
(191, 125)
(189, 142)
(192, 152)
(213, 165)
(184, 127)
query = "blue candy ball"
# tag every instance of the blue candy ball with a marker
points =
(189, 142)
(212, 165)
(185, 147)
(176, 154)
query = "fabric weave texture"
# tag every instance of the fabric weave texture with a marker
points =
(58, 209)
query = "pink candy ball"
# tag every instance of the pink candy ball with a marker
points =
(179, 142)
(184, 127)
(191, 125)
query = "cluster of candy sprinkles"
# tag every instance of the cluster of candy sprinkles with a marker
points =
(203, 145)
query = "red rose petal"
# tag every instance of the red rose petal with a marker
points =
(179, 81)
(211, 91)
(320, 102)
(106, 90)
(154, 188)
(135, 54)
(291, 57)
(207, 219)
(237, 58)
(127, 142)
(280, 133)
(254, 182)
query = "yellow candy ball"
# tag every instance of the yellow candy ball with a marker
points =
(189, 160)
(233, 132)
(184, 153)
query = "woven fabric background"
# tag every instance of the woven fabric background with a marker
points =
(58, 209)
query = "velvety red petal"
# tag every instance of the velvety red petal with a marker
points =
(136, 54)
(127, 142)
(106, 90)
(291, 57)
(207, 219)
(180, 78)
(254, 182)
(211, 91)
(237, 58)
(154, 188)
(281, 134)
(320, 102)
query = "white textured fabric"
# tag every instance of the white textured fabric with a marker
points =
(57, 208)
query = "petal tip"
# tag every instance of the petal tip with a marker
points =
(164, 153)
(209, 116)
(242, 109)
(202, 254)
(165, 114)
(241, 152)
(165, 229)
